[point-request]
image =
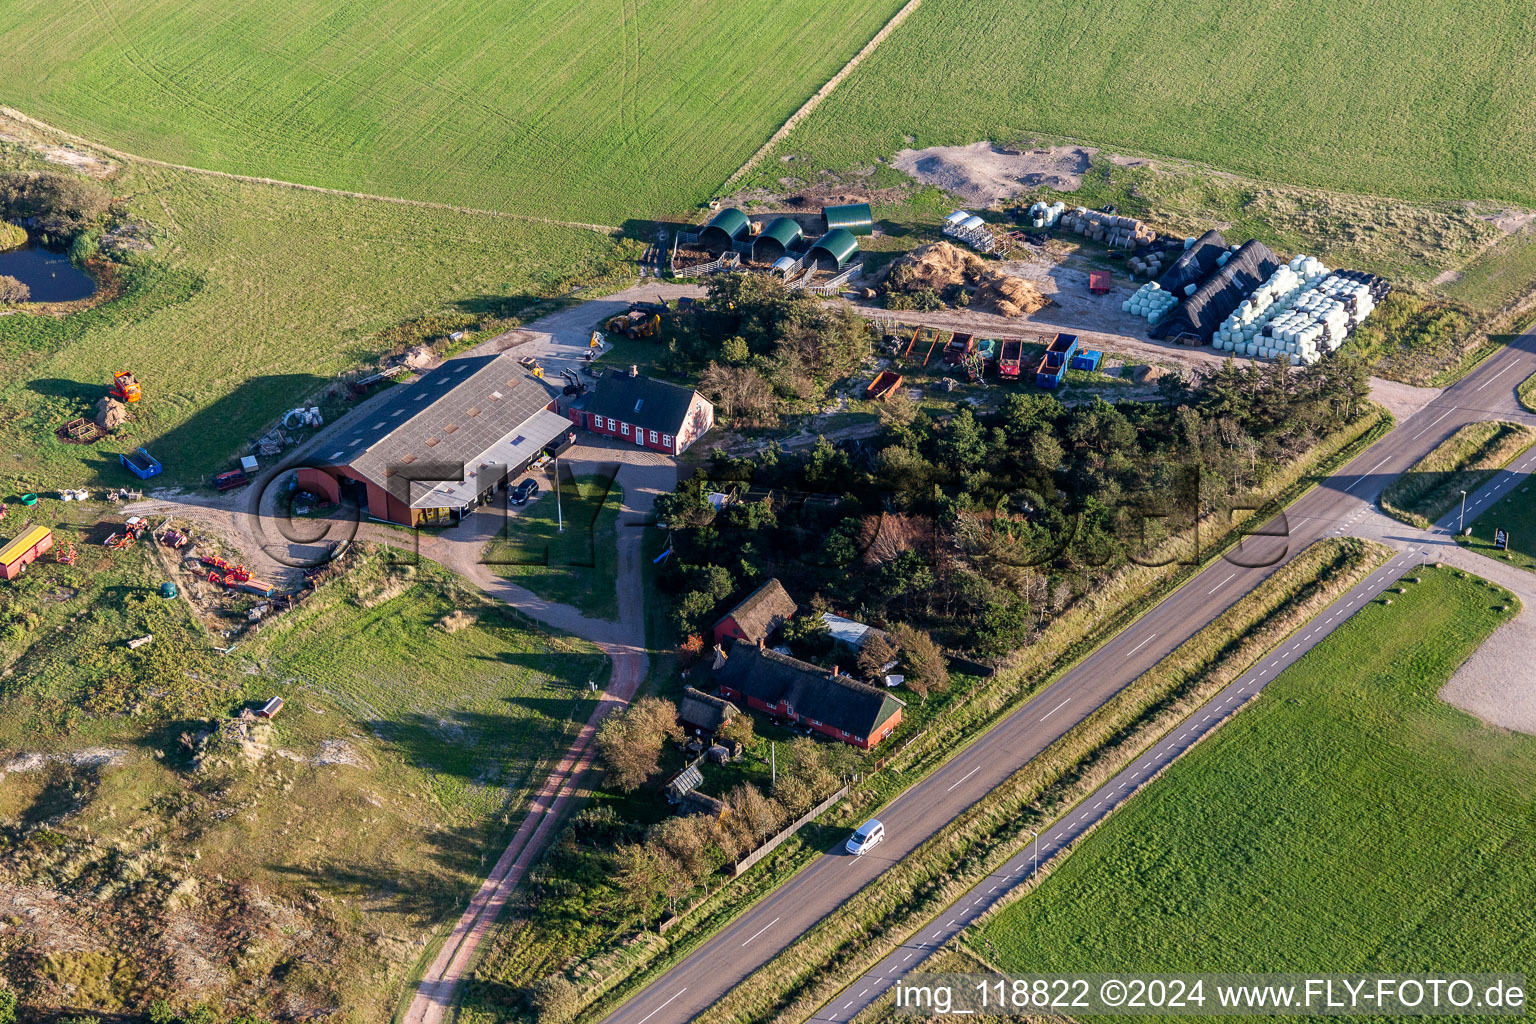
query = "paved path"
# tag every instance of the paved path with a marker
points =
(1340, 504)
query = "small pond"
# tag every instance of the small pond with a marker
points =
(50, 275)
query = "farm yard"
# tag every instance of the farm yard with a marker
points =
(1353, 97)
(1350, 818)
(566, 110)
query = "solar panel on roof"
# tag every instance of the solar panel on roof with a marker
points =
(519, 439)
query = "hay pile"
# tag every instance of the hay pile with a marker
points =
(942, 266)
(937, 266)
(1007, 295)
(110, 413)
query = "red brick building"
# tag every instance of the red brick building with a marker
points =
(826, 701)
(645, 411)
(759, 616)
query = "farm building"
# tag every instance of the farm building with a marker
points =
(835, 249)
(759, 616)
(725, 228)
(823, 700)
(855, 218)
(645, 411)
(442, 447)
(852, 635)
(23, 549)
(779, 236)
(702, 714)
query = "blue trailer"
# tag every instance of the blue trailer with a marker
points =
(1058, 356)
(1087, 359)
(141, 464)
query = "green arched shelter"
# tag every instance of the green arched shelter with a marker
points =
(777, 237)
(837, 247)
(855, 218)
(724, 228)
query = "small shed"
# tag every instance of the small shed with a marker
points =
(702, 714)
(778, 237)
(271, 708)
(683, 783)
(855, 218)
(725, 229)
(836, 247)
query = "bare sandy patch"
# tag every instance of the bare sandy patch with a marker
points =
(984, 172)
(1498, 683)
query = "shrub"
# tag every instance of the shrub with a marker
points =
(12, 236)
(60, 206)
(13, 291)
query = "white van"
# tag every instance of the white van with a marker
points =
(868, 834)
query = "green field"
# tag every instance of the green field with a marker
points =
(1515, 513)
(1415, 100)
(1527, 392)
(1460, 464)
(1350, 821)
(390, 780)
(556, 109)
(577, 565)
(253, 300)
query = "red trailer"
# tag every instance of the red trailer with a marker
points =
(1098, 282)
(960, 346)
(1010, 363)
(883, 386)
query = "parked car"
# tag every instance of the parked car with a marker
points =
(523, 492)
(866, 837)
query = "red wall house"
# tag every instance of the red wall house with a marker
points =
(825, 701)
(646, 412)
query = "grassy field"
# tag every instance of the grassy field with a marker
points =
(1528, 392)
(1462, 462)
(578, 566)
(314, 863)
(254, 299)
(1515, 513)
(1501, 276)
(1353, 96)
(1350, 821)
(557, 109)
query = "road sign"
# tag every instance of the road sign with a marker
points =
(1501, 539)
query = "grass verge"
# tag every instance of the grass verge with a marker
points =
(1514, 513)
(878, 918)
(1527, 392)
(1315, 828)
(576, 565)
(1462, 462)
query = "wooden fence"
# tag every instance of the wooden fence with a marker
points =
(772, 844)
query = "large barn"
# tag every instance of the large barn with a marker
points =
(439, 448)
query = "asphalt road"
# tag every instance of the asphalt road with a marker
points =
(1331, 509)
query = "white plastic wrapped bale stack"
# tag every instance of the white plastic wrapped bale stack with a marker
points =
(1242, 332)
(1045, 215)
(1150, 301)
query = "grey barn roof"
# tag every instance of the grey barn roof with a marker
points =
(642, 401)
(451, 416)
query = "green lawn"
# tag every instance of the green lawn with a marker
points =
(577, 566)
(1464, 461)
(255, 297)
(388, 787)
(1350, 821)
(1515, 513)
(1412, 100)
(1528, 392)
(561, 109)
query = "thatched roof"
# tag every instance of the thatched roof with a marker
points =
(814, 693)
(764, 610)
(699, 709)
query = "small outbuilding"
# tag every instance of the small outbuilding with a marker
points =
(702, 714)
(836, 248)
(855, 218)
(759, 616)
(725, 229)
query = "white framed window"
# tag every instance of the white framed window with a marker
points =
(653, 437)
(610, 423)
(666, 439)
(624, 429)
